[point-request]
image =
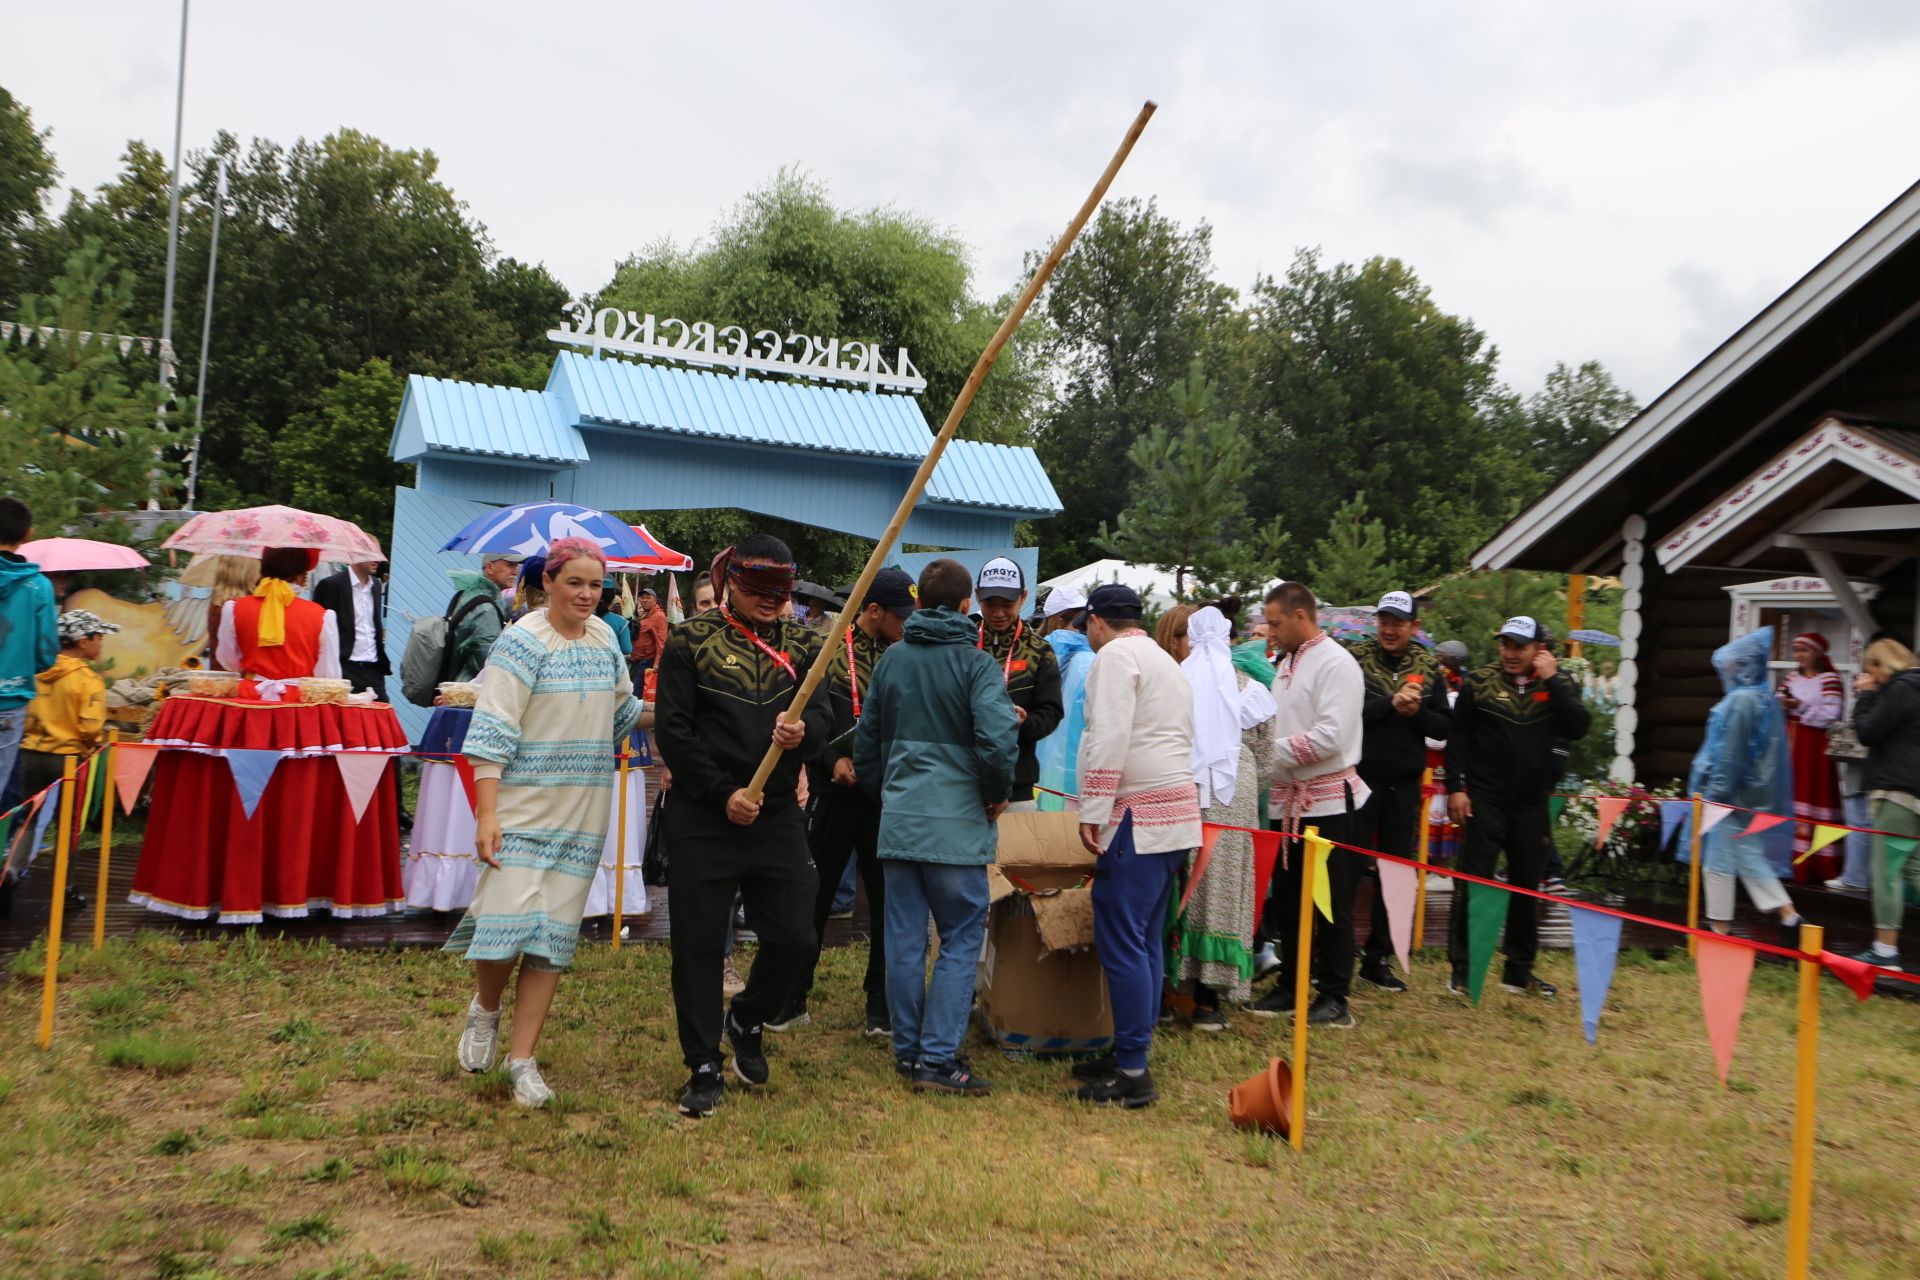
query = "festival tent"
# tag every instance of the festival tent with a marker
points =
(1155, 586)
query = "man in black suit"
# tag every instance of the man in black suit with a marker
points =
(358, 600)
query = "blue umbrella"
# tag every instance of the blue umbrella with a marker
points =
(1595, 637)
(530, 528)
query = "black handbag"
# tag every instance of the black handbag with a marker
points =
(653, 859)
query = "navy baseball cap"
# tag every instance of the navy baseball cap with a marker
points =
(1115, 602)
(894, 591)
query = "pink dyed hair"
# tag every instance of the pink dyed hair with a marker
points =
(565, 549)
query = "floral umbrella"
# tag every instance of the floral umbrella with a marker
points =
(253, 530)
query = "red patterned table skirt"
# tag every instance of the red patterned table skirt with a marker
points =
(301, 850)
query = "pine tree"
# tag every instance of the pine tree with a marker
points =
(1187, 513)
(1349, 565)
(82, 433)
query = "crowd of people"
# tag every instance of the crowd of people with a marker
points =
(950, 701)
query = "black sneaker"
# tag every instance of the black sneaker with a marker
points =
(749, 1059)
(791, 1018)
(950, 1077)
(1120, 1090)
(1872, 957)
(1330, 1011)
(1530, 985)
(903, 1067)
(1457, 984)
(1209, 1018)
(1275, 1003)
(705, 1088)
(1096, 1068)
(1553, 884)
(879, 1024)
(1379, 973)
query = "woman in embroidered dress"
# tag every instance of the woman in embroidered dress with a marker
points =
(1814, 698)
(1232, 733)
(555, 701)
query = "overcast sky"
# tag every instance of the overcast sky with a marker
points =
(1627, 182)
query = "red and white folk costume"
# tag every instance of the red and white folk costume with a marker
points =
(1136, 753)
(1316, 735)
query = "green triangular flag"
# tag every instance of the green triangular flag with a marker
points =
(1555, 805)
(1486, 917)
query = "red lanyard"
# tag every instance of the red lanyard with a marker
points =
(853, 674)
(1006, 668)
(780, 660)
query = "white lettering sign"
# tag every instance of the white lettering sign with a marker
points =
(730, 347)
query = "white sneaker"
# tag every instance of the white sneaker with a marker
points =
(529, 1089)
(731, 983)
(480, 1042)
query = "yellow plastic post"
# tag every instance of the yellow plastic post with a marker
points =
(63, 845)
(1805, 1083)
(1303, 962)
(1693, 878)
(1424, 832)
(105, 765)
(620, 851)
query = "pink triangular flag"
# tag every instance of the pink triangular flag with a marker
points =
(1764, 822)
(1711, 816)
(1397, 891)
(1725, 970)
(1608, 809)
(1857, 974)
(132, 762)
(1209, 834)
(360, 773)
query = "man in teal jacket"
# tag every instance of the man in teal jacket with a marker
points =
(936, 746)
(28, 642)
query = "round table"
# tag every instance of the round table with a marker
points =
(302, 849)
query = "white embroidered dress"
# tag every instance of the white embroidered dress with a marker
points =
(550, 714)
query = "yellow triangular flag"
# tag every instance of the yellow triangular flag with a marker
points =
(1318, 849)
(1823, 835)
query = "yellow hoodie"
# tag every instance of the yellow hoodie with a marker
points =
(68, 711)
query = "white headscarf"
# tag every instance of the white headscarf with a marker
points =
(1222, 710)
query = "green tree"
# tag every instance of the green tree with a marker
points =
(1186, 513)
(333, 457)
(1349, 565)
(79, 428)
(27, 173)
(1574, 413)
(1130, 308)
(788, 259)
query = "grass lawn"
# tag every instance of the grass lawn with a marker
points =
(251, 1109)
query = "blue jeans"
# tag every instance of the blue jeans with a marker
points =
(1130, 896)
(930, 1017)
(13, 724)
(1857, 871)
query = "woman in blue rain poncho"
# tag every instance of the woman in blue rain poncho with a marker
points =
(1059, 752)
(1744, 762)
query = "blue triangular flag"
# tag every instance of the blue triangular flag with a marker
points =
(1675, 813)
(252, 771)
(1596, 945)
(48, 807)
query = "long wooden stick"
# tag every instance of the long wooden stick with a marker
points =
(856, 598)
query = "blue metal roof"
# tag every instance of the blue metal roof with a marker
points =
(973, 473)
(473, 418)
(793, 415)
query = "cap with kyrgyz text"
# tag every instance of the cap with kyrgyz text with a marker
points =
(1000, 579)
(1523, 629)
(1396, 604)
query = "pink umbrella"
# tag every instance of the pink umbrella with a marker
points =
(662, 557)
(252, 530)
(80, 555)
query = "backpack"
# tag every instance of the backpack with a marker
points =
(428, 659)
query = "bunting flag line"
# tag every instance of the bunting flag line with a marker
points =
(252, 771)
(360, 774)
(1397, 891)
(1318, 850)
(1726, 970)
(1674, 813)
(1596, 946)
(1823, 835)
(132, 762)
(1608, 810)
(1764, 822)
(1857, 974)
(1486, 917)
(1555, 806)
(468, 783)
(48, 806)
(1711, 816)
(1266, 852)
(1209, 834)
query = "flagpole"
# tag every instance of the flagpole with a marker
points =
(1693, 879)
(1302, 967)
(1806, 1082)
(1425, 830)
(108, 799)
(173, 207)
(206, 337)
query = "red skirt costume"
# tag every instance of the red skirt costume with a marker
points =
(1816, 779)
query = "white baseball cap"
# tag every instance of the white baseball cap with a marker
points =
(1000, 578)
(1522, 628)
(1396, 603)
(1064, 599)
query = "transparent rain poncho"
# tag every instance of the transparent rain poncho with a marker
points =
(1744, 762)
(1058, 754)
